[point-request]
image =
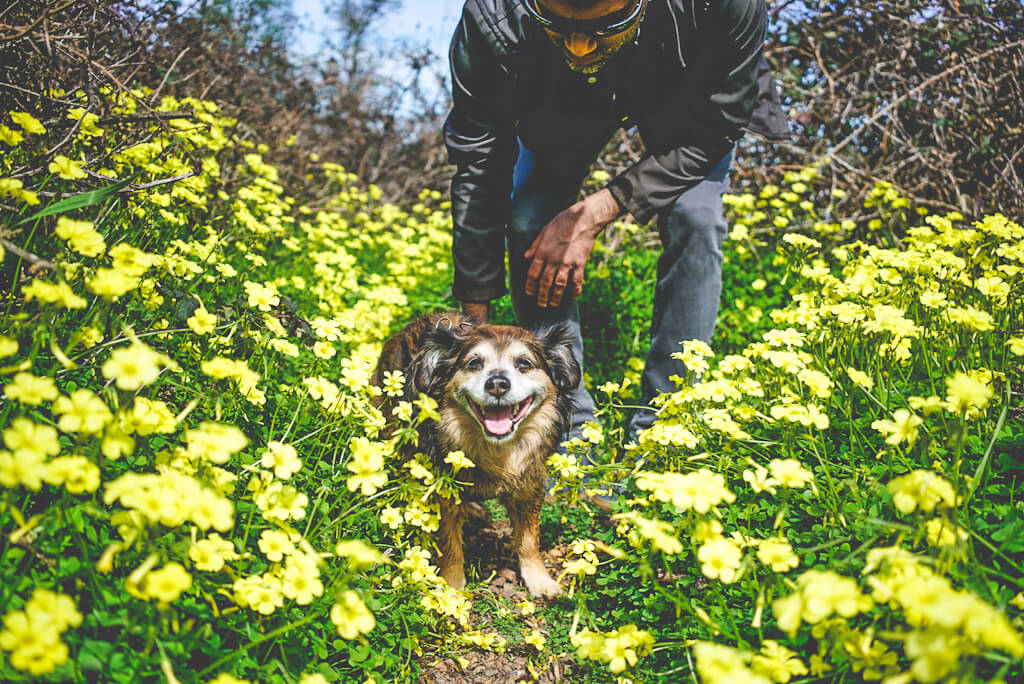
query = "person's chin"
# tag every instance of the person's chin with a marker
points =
(586, 67)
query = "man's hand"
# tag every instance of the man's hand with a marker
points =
(477, 310)
(563, 247)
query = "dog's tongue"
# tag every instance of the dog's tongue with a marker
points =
(498, 421)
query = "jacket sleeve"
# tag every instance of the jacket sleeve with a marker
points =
(708, 125)
(480, 136)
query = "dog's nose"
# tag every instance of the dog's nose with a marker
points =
(497, 385)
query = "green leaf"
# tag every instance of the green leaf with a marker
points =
(78, 201)
(94, 654)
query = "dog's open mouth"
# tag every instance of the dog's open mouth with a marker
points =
(501, 421)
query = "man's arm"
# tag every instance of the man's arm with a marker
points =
(480, 137)
(710, 124)
(561, 251)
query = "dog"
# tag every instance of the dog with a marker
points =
(504, 396)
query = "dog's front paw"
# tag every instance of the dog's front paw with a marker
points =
(455, 577)
(539, 583)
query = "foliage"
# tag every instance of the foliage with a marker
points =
(195, 485)
(828, 495)
(340, 104)
(924, 95)
(175, 456)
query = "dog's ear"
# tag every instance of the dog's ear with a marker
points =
(433, 362)
(556, 342)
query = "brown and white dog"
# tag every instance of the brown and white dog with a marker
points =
(504, 397)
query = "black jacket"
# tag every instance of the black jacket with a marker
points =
(693, 80)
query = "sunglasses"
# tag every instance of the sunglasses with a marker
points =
(608, 25)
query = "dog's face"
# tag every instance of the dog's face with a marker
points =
(499, 375)
(499, 381)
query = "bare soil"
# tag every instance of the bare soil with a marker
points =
(488, 550)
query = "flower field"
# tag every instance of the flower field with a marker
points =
(195, 487)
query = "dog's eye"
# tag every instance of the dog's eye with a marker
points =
(475, 363)
(523, 364)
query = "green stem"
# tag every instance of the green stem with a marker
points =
(980, 471)
(256, 642)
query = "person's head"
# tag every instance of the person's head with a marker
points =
(588, 32)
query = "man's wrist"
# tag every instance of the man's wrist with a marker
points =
(603, 208)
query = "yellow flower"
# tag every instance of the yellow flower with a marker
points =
(941, 532)
(262, 297)
(324, 350)
(133, 367)
(700, 491)
(534, 638)
(67, 169)
(933, 299)
(777, 554)
(777, 662)
(32, 635)
(211, 553)
(31, 390)
(967, 393)
(928, 405)
(28, 123)
(458, 461)
(10, 136)
(26, 438)
(720, 559)
(394, 383)
(392, 517)
(367, 464)
(351, 616)
(921, 488)
(215, 442)
(225, 678)
(301, 579)
(111, 282)
(147, 417)
(167, 583)
(202, 322)
(359, 554)
(718, 664)
(8, 346)
(902, 427)
(662, 535)
(77, 473)
(53, 293)
(83, 412)
(283, 458)
(275, 545)
(789, 472)
(317, 678)
(427, 408)
(759, 481)
(27, 469)
(116, 442)
(81, 236)
(860, 378)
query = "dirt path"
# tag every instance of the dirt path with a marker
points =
(488, 549)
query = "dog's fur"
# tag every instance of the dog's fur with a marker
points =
(487, 375)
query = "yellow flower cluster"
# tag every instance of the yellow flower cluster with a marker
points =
(32, 635)
(699, 491)
(171, 498)
(620, 649)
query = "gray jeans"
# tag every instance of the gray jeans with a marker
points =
(689, 269)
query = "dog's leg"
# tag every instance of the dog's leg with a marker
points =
(450, 544)
(525, 516)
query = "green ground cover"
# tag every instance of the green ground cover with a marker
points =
(194, 487)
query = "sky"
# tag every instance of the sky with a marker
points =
(427, 21)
